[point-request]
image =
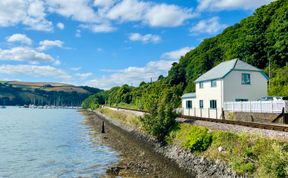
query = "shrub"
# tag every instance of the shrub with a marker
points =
(198, 139)
(159, 121)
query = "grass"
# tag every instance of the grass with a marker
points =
(127, 106)
(124, 117)
(246, 154)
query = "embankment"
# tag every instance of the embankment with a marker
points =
(195, 166)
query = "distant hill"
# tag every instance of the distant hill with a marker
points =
(43, 93)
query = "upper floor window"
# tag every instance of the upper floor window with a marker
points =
(246, 80)
(213, 104)
(201, 85)
(213, 83)
(188, 104)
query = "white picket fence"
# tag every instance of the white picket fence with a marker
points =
(257, 106)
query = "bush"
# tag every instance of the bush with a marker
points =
(198, 139)
(159, 121)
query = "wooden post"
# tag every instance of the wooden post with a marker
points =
(216, 113)
(208, 112)
(103, 127)
(194, 111)
(200, 112)
(223, 114)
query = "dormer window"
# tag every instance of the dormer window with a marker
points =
(201, 85)
(213, 83)
(245, 80)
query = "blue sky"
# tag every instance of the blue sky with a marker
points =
(105, 43)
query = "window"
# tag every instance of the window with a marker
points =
(245, 79)
(213, 104)
(213, 83)
(188, 104)
(201, 104)
(237, 100)
(201, 85)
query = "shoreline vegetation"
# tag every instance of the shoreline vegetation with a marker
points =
(246, 155)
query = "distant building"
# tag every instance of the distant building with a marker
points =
(232, 80)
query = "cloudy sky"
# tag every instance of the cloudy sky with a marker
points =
(104, 43)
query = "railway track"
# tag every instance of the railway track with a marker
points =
(241, 123)
(189, 119)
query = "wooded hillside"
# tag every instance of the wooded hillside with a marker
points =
(258, 40)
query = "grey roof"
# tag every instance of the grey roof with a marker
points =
(189, 95)
(222, 69)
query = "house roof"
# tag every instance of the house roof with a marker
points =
(189, 95)
(222, 69)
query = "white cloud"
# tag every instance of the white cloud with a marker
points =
(28, 13)
(132, 75)
(176, 54)
(78, 33)
(104, 3)
(34, 71)
(144, 38)
(45, 44)
(61, 26)
(76, 9)
(164, 15)
(99, 28)
(83, 76)
(147, 12)
(208, 26)
(75, 68)
(26, 54)
(128, 10)
(230, 4)
(19, 38)
(99, 15)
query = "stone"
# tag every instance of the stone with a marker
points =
(221, 149)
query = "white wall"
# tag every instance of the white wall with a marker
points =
(233, 89)
(208, 93)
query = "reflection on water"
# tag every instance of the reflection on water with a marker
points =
(50, 143)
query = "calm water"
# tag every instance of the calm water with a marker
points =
(50, 143)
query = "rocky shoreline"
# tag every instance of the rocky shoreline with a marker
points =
(191, 165)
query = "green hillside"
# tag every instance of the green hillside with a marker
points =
(20, 93)
(260, 40)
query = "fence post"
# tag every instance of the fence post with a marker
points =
(272, 106)
(232, 106)
(189, 112)
(223, 114)
(216, 113)
(200, 112)
(260, 106)
(194, 111)
(208, 112)
(250, 106)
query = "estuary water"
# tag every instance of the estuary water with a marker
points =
(50, 143)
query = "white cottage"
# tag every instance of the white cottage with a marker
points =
(232, 80)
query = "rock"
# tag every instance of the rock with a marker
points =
(221, 149)
(114, 170)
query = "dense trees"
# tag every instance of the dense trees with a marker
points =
(259, 40)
